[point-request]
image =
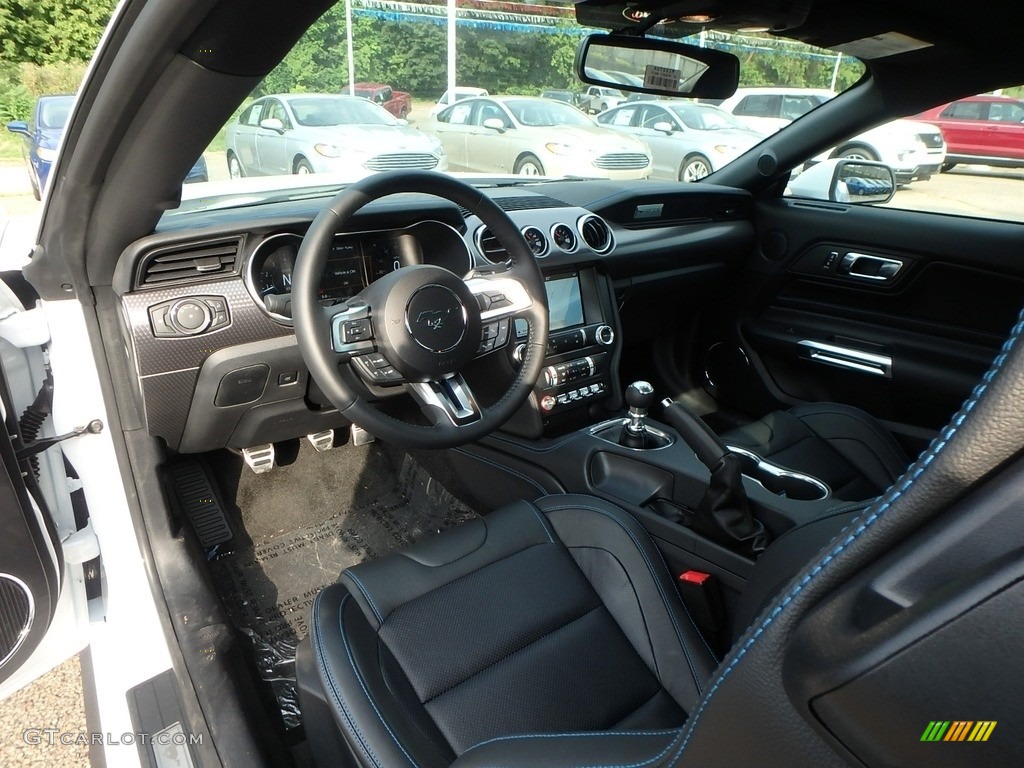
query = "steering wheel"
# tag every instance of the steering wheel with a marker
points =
(420, 325)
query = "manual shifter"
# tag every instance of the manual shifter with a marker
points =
(724, 512)
(639, 397)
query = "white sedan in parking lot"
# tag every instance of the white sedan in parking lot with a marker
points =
(535, 137)
(687, 140)
(318, 133)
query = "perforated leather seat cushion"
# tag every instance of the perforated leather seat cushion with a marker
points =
(539, 619)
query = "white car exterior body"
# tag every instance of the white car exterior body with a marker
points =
(347, 135)
(583, 148)
(462, 92)
(683, 136)
(914, 150)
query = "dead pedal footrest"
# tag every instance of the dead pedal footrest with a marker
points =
(195, 491)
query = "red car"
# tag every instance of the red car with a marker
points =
(398, 103)
(986, 130)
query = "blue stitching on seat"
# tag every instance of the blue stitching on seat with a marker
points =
(543, 523)
(353, 728)
(654, 576)
(888, 499)
(605, 765)
(359, 679)
(573, 733)
(366, 594)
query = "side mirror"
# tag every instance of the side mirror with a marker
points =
(859, 182)
(18, 126)
(272, 124)
(495, 124)
(657, 66)
(663, 127)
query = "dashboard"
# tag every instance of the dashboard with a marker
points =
(205, 300)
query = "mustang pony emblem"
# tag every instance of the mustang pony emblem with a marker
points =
(434, 319)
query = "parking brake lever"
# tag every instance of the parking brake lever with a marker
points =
(723, 513)
(695, 433)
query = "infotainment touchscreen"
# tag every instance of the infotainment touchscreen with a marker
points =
(565, 305)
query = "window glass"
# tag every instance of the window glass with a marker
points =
(758, 105)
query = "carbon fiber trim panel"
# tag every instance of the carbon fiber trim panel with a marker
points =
(166, 401)
(160, 355)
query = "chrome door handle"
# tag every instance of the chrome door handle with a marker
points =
(848, 358)
(864, 266)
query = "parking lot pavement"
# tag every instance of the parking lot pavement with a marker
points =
(968, 190)
(53, 704)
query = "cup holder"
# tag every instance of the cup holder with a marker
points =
(782, 482)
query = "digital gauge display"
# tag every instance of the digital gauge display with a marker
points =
(355, 260)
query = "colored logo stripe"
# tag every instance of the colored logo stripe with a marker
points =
(958, 730)
(982, 730)
(935, 730)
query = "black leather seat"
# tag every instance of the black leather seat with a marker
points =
(843, 446)
(551, 617)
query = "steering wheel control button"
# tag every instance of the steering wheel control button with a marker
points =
(436, 318)
(243, 385)
(353, 331)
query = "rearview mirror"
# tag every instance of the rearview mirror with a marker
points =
(845, 181)
(655, 66)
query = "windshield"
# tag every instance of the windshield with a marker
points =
(705, 118)
(326, 111)
(517, 63)
(538, 113)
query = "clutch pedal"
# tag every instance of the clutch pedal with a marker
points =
(259, 458)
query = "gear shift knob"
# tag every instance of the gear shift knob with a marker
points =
(640, 397)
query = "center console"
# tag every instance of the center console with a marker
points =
(579, 382)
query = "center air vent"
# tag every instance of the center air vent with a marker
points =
(189, 263)
(595, 233)
(489, 246)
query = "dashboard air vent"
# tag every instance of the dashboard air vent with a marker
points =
(489, 246)
(596, 234)
(189, 262)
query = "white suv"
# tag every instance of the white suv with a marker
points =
(913, 150)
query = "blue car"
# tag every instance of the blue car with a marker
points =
(42, 135)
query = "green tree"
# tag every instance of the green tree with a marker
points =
(48, 31)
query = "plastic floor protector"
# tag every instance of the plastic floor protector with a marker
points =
(268, 588)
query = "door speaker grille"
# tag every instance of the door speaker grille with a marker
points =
(16, 610)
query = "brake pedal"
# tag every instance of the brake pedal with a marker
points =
(259, 458)
(359, 436)
(322, 441)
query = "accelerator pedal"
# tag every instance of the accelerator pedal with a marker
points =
(202, 504)
(259, 458)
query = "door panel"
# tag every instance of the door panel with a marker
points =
(906, 347)
(30, 559)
